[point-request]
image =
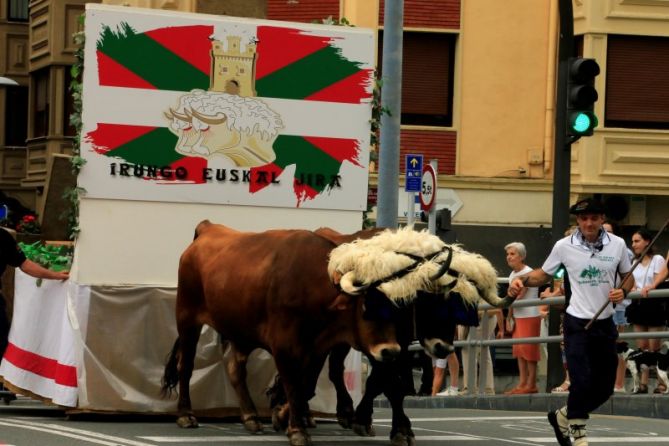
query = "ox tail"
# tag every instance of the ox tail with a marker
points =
(200, 226)
(171, 376)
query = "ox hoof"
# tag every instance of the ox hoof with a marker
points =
(299, 439)
(187, 421)
(345, 422)
(280, 415)
(364, 430)
(279, 423)
(402, 440)
(345, 417)
(254, 426)
(310, 421)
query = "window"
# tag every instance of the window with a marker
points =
(427, 78)
(41, 104)
(16, 116)
(18, 10)
(637, 82)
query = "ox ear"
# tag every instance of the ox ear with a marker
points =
(342, 302)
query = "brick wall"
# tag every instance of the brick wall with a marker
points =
(431, 144)
(302, 10)
(444, 14)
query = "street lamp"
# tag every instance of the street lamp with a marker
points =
(8, 81)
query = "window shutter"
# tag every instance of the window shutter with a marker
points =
(637, 82)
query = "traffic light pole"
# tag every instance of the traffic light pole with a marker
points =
(391, 97)
(561, 175)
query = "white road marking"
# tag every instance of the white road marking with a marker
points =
(80, 434)
(470, 436)
(607, 440)
(315, 438)
(416, 419)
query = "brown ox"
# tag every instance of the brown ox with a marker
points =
(268, 290)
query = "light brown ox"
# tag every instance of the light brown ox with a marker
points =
(267, 290)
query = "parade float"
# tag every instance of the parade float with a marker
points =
(250, 123)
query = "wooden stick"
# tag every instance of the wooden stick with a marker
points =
(636, 263)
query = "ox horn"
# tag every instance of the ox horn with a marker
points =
(211, 120)
(347, 284)
(444, 266)
(181, 116)
(496, 301)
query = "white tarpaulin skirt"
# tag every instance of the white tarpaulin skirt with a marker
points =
(103, 348)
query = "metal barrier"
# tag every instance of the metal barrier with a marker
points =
(485, 344)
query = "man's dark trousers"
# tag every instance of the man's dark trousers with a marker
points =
(592, 361)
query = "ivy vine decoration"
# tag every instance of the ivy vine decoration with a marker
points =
(378, 110)
(72, 195)
(55, 258)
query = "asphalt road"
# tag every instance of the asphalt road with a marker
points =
(27, 423)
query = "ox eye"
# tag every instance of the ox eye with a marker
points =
(185, 129)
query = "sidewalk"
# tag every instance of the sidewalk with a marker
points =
(650, 405)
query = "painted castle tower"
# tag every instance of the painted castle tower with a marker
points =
(233, 71)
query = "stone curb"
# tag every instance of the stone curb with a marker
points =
(650, 406)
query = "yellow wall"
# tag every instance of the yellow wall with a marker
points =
(503, 87)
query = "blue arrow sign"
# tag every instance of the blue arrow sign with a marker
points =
(413, 173)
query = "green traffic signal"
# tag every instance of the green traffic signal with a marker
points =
(581, 97)
(582, 123)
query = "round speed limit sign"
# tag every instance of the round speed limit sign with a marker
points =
(428, 188)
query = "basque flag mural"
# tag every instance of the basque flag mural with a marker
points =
(245, 110)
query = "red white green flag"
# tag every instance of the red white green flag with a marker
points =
(217, 110)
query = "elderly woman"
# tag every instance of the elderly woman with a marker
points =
(527, 323)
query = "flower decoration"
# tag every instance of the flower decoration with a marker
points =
(28, 225)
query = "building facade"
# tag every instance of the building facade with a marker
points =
(478, 95)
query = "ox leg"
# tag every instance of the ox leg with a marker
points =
(374, 386)
(236, 368)
(278, 404)
(400, 433)
(336, 375)
(188, 340)
(293, 370)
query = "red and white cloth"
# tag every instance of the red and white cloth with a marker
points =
(41, 355)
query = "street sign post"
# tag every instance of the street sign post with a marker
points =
(428, 190)
(413, 173)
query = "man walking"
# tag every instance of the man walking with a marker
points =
(593, 258)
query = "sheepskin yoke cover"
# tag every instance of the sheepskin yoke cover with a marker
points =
(364, 262)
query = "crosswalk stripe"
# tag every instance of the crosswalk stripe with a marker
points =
(604, 439)
(316, 438)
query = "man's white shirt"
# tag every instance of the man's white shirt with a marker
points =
(591, 274)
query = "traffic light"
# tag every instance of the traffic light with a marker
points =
(581, 97)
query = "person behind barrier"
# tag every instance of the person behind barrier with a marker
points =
(496, 320)
(527, 323)
(557, 289)
(660, 279)
(620, 320)
(463, 315)
(661, 282)
(593, 260)
(646, 314)
(439, 373)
